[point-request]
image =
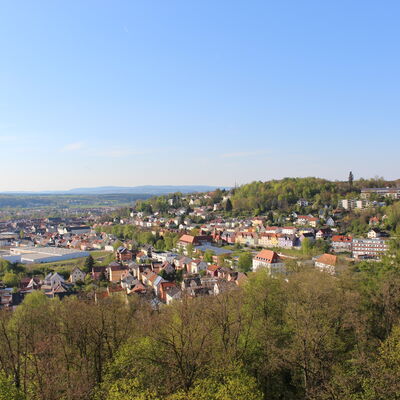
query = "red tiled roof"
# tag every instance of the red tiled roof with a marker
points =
(268, 256)
(328, 259)
(187, 239)
(341, 238)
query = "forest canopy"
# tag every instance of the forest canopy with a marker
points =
(307, 336)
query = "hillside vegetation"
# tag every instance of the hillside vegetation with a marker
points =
(260, 197)
(281, 194)
(312, 336)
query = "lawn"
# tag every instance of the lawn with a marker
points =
(99, 256)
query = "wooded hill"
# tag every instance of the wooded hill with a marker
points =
(284, 193)
(259, 197)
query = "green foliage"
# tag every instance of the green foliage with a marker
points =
(5, 266)
(245, 262)
(89, 264)
(117, 244)
(10, 279)
(231, 385)
(306, 246)
(261, 197)
(208, 256)
(129, 389)
(312, 248)
(190, 250)
(393, 218)
(382, 373)
(8, 391)
(306, 336)
(272, 195)
(160, 245)
(351, 179)
(228, 205)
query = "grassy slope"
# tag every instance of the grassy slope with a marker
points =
(68, 265)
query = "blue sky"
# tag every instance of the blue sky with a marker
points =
(196, 92)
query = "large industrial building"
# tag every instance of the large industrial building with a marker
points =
(29, 255)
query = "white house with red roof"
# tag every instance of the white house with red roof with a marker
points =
(326, 262)
(307, 220)
(270, 260)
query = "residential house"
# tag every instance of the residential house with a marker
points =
(330, 222)
(247, 239)
(136, 288)
(212, 270)
(77, 275)
(307, 220)
(327, 263)
(270, 260)
(167, 267)
(289, 230)
(53, 279)
(6, 297)
(374, 233)
(115, 272)
(302, 203)
(164, 288)
(98, 272)
(29, 285)
(273, 229)
(186, 240)
(141, 257)
(123, 254)
(228, 237)
(128, 281)
(191, 282)
(373, 221)
(155, 282)
(323, 233)
(172, 294)
(182, 263)
(268, 240)
(307, 235)
(148, 276)
(196, 266)
(223, 286)
(287, 241)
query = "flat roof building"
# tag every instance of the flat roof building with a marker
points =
(29, 255)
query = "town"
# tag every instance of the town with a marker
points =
(174, 246)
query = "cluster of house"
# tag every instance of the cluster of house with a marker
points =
(167, 276)
(351, 204)
(364, 200)
(77, 233)
(389, 192)
(52, 285)
(150, 273)
(253, 232)
(373, 246)
(274, 263)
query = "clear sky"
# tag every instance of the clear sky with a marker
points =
(197, 91)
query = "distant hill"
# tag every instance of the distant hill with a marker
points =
(147, 189)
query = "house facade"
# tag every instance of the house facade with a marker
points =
(327, 263)
(270, 260)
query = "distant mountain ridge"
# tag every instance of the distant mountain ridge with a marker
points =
(145, 189)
